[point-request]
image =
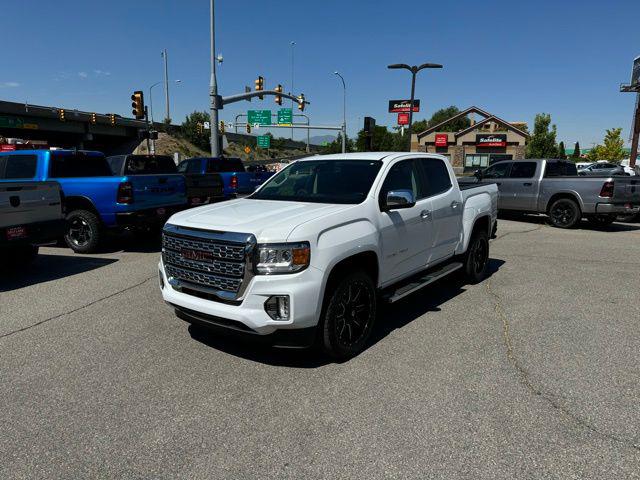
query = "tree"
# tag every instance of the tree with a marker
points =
(440, 116)
(613, 148)
(191, 132)
(542, 143)
(576, 151)
(336, 145)
(383, 140)
(561, 151)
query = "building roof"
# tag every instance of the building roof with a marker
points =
(464, 113)
(495, 119)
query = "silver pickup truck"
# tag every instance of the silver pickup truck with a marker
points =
(31, 214)
(553, 187)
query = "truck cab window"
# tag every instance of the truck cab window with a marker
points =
(523, 170)
(20, 166)
(499, 170)
(436, 176)
(404, 175)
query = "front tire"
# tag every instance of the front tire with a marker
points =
(564, 213)
(476, 259)
(348, 316)
(84, 232)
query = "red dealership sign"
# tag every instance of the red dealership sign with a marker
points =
(442, 139)
(403, 119)
(397, 106)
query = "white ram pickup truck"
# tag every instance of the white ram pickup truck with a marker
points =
(307, 257)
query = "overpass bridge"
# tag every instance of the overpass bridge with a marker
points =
(105, 132)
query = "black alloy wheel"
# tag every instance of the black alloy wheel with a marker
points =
(564, 213)
(477, 257)
(349, 316)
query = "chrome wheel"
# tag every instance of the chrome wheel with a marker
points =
(79, 232)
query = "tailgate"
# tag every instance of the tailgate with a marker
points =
(150, 191)
(22, 203)
(626, 190)
(204, 185)
(247, 182)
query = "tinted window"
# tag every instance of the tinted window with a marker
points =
(499, 170)
(560, 169)
(78, 164)
(403, 176)
(436, 176)
(321, 181)
(20, 166)
(195, 165)
(523, 170)
(219, 165)
(149, 165)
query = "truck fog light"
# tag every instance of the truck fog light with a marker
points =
(277, 307)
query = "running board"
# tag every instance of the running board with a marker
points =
(422, 280)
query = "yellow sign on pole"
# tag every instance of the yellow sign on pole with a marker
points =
(247, 149)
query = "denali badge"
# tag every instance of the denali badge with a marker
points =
(197, 255)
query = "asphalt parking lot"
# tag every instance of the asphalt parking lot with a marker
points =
(530, 374)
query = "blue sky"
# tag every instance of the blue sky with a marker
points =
(514, 59)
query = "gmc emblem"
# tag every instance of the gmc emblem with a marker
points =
(197, 255)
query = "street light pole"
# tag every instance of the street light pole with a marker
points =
(293, 44)
(151, 96)
(166, 83)
(344, 113)
(213, 88)
(414, 71)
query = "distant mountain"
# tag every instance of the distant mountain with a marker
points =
(320, 139)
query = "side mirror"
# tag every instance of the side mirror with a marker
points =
(399, 199)
(478, 174)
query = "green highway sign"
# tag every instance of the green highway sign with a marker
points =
(260, 117)
(11, 122)
(264, 141)
(285, 116)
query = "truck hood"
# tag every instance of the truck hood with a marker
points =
(268, 220)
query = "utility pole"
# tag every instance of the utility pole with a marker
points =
(634, 87)
(213, 88)
(414, 71)
(293, 44)
(166, 83)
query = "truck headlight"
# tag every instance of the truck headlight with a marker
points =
(274, 258)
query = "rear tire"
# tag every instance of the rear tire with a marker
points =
(84, 232)
(564, 213)
(349, 314)
(476, 259)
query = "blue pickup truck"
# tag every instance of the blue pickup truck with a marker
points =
(237, 180)
(96, 201)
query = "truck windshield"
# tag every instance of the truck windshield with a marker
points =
(149, 165)
(322, 181)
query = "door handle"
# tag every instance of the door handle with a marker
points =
(527, 184)
(455, 204)
(425, 214)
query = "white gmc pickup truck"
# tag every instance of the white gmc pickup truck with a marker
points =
(306, 258)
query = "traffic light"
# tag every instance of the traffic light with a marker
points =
(301, 102)
(137, 102)
(278, 98)
(260, 86)
(200, 128)
(112, 118)
(61, 115)
(222, 127)
(248, 127)
(94, 118)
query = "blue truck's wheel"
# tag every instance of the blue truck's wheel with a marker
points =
(83, 231)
